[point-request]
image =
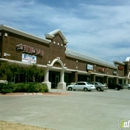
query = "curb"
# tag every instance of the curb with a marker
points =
(29, 94)
(33, 93)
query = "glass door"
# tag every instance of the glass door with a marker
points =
(54, 78)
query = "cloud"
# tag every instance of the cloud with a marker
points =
(100, 29)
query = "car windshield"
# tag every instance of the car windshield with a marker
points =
(100, 83)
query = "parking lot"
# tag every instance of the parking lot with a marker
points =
(71, 110)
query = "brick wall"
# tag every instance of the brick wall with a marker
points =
(56, 48)
(10, 42)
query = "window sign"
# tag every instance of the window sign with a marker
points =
(120, 67)
(115, 72)
(89, 67)
(28, 58)
(101, 69)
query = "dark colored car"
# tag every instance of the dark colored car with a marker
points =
(115, 86)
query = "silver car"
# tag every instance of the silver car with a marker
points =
(129, 86)
(85, 86)
(99, 86)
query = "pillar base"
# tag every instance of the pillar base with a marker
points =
(48, 85)
(61, 85)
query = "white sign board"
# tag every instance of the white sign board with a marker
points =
(29, 58)
(89, 67)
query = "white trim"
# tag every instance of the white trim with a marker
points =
(87, 58)
(52, 35)
(20, 62)
(119, 77)
(57, 60)
(112, 76)
(98, 74)
(83, 72)
(128, 75)
(55, 68)
(22, 33)
(49, 36)
(118, 62)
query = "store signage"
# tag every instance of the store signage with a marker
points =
(29, 49)
(115, 72)
(89, 67)
(120, 67)
(29, 58)
(101, 69)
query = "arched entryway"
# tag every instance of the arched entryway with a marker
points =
(61, 69)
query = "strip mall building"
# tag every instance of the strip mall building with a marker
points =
(62, 65)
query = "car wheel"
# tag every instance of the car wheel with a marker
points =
(70, 89)
(129, 88)
(85, 89)
(98, 89)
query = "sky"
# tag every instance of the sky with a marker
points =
(98, 28)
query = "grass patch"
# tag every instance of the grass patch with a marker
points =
(17, 126)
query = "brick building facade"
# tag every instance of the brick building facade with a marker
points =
(62, 66)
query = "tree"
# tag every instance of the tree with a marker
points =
(9, 71)
(40, 73)
(33, 71)
(14, 70)
(3, 68)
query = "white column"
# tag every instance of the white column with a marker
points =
(62, 76)
(62, 84)
(46, 76)
(46, 79)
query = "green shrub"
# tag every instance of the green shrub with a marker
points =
(37, 87)
(6, 88)
(31, 87)
(1, 86)
(43, 87)
(23, 87)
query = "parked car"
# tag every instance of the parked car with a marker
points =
(125, 86)
(99, 86)
(129, 87)
(85, 86)
(115, 86)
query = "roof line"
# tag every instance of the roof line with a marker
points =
(52, 34)
(10, 29)
(90, 59)
(118, 62)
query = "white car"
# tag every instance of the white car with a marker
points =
(129, 86)
(99, 86)
(81, 86)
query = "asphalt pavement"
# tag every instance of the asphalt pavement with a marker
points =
(75, 110)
